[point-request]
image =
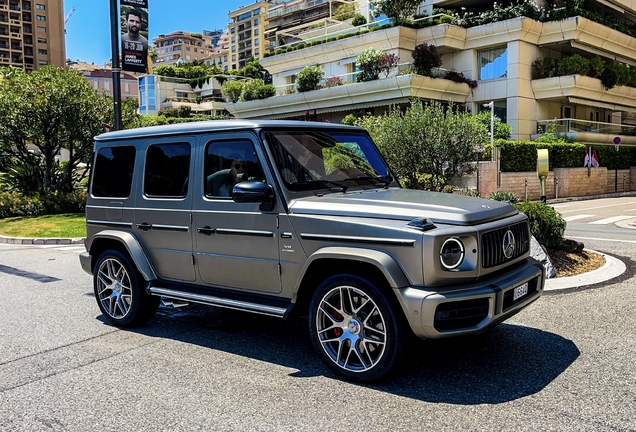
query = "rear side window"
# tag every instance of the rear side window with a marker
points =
(167, 170)
(113, 172)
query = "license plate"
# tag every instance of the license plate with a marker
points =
(520, 291)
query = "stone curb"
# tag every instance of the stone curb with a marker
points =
(612, 268)
(41, 241)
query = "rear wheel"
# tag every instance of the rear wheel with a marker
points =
(355, 328)
(120, 292)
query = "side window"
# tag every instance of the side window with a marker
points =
(113, 172)
(167, 170)
(228, 163)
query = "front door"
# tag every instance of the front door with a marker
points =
(236, 245)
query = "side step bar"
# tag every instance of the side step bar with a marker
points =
(219, 302)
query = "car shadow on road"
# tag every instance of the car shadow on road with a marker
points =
(506, 363)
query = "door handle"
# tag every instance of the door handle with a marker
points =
(206, 230)
(144, 226)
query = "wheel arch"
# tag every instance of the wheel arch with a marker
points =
(125, 243)
(371, 264)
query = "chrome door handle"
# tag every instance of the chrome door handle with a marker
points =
(206, 230)
(144, 226)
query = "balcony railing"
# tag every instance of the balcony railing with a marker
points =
(566, 125)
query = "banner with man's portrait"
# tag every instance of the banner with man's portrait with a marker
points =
(134, 35)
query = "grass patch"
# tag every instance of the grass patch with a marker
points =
(62, 225)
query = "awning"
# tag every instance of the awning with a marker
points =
(603, 105)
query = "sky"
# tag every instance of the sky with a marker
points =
(88, 29)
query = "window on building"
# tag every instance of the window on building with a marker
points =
(256, 22)
(41, 29)
(501, 110)
(40, 6)
(187, 48)
(42, 40)
(255, 32)
(493, 63)
(41, 18)
(43, 52)
(256, 41)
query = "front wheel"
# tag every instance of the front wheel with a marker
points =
(119, 291)
(355, 328)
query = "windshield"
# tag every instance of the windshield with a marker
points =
(326, 159)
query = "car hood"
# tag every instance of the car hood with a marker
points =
(405, 204)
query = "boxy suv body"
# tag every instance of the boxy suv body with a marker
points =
(281, 218)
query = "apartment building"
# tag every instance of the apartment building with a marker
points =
(292, 21)
(497, 55)
(246, 30)
(181, 45)
(32, 33)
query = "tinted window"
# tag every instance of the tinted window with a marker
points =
(228, 163)
(113, 172)
(167, 170)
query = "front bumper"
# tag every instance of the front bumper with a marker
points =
(471, 308)
(85, 261)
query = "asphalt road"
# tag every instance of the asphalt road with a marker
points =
(567, 363)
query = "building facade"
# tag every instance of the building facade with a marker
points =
(499, 58)
(181, 45)
(32, 33)
(246, 29)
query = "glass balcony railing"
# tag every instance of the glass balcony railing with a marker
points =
(566, 125)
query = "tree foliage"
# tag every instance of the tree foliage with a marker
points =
(427, 144)
(43, 112)
(399, 10)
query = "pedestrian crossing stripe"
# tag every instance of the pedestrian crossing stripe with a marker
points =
(576, 217)
(610, 220)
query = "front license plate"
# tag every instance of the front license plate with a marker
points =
(520, 291)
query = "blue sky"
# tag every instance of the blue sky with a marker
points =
(88, 30)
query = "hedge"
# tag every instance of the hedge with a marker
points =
(15, 204)
(517, 156)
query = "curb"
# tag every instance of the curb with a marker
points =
(591, 197)
(612, 268)
(41, 241)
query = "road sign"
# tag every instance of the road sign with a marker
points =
(617, 140)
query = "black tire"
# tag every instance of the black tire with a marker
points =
(360, 334)
(119, 291)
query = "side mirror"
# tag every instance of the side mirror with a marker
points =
(253, 192)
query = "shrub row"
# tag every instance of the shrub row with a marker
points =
(14, 204)
(519, 156)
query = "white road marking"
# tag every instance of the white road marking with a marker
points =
(605, 206)
(610, 220)
(629, 210)
(575, 217)
(604, 239)
(77, 248)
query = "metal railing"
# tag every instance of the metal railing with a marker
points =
(566, 125)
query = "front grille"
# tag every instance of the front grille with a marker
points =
(492, 251)
(460, 314)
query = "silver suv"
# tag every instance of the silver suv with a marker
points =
(281, 218)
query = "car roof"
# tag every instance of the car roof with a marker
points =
(216, 125)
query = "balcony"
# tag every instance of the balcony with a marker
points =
(584, 90)
(380, 92)
(585, 131)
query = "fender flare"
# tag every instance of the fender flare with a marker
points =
(135, 251)
(391, 270)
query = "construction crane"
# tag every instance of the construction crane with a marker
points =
(68, 15)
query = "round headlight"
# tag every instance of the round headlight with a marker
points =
(451, 254)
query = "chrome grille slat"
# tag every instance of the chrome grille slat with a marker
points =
(492, 244)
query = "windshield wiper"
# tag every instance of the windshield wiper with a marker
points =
(343, 188)
(385, 181)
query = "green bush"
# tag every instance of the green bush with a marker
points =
(15, 204)
(309, 78)
(574, 65)
(510, 197)
(546, 225)
(358, 20)
(425, 58)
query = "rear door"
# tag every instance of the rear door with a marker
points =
(236, 244)
(163, 215)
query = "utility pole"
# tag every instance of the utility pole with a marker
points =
(114, 39)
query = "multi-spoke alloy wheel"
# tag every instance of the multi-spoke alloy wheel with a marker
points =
(119, 292)
(355, 328)
(114, 291)
(351, 328)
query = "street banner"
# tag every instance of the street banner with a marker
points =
(134, 35)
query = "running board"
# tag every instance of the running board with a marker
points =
(219, 302)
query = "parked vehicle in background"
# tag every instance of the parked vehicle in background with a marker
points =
(282, 218)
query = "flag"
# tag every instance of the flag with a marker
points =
(594, 158)
(586, 161)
